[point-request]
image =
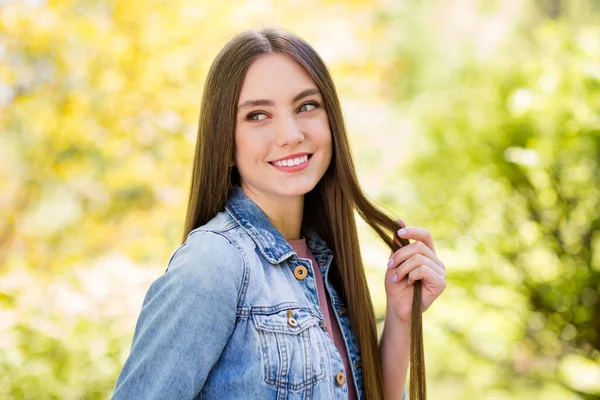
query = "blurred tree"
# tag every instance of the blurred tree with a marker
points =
(504, 167)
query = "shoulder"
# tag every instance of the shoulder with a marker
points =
(208, 259)
(210, 236)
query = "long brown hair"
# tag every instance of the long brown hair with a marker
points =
(328, 208)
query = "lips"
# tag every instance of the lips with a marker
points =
(309, 155)
(292, 168)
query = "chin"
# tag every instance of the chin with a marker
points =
(300, 189)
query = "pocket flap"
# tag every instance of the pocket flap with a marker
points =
(278, 322)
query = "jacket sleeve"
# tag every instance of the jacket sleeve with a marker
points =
(187, 317)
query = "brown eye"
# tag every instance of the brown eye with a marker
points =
(250, 117)
(314, 105)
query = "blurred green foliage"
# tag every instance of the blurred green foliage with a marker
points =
(504, 164)
(484, 115)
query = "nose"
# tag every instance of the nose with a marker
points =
(288, 132)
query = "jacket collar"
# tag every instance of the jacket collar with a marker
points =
(269, 240)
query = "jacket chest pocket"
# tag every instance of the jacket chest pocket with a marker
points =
(293, 352)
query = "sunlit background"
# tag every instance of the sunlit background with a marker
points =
(478, 120)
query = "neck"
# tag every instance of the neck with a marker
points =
(284, 212)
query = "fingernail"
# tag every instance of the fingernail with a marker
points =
(401, 231)
(394, 278)
(391, 262)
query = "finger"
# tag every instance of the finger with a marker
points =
(425, 273)
(414, 262)
(417, 233)
(404, 253)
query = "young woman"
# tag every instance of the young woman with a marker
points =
(267, 296)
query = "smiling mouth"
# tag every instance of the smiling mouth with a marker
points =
(292, 162)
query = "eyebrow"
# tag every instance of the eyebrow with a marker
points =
(265, 102)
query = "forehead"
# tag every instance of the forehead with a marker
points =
(275, 75)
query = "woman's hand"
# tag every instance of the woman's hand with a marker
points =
(417, 261)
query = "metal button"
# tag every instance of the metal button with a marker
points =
(357, 364)
(300, 272)
(340, 378)
(291, 320)
(342, 311)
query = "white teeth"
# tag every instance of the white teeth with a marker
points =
(292, 162)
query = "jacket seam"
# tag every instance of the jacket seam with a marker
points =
(242, 290)
(192, 232)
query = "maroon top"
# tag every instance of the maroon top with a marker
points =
(333, 329)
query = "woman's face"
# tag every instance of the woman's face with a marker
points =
(281, 116)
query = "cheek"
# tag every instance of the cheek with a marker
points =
(320, 132)
(322, 136)
(249, 148)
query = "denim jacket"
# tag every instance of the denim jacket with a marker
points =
(236, 316)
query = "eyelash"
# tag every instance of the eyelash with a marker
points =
(313, 103)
